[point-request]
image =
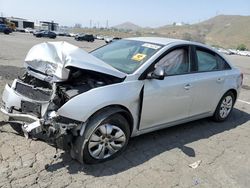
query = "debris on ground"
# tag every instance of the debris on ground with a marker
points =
(195, 164)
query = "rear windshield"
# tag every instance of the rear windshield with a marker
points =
(126, 55)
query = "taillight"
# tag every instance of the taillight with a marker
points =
(241, 76)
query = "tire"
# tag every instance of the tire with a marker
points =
(102, 145)
(224, 108)
(16, 127)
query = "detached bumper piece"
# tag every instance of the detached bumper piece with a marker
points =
(32, 128)
(28, 128)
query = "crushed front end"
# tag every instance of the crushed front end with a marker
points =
(56, 72)
(32, 103)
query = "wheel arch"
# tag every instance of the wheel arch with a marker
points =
(114, 109)
(96, 118)
(234, 91)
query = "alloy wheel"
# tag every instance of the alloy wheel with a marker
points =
(106, 140)
(226, 106)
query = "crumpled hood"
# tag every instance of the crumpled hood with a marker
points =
(51, 59)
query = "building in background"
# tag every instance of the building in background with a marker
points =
(21, 23)
(44, 25)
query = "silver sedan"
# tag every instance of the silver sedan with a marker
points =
(92, 103)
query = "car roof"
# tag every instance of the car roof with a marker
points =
(167, 41)
(158, 40)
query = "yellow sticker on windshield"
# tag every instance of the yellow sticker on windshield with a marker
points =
(138, 57)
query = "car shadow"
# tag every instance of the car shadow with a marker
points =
(142, 148)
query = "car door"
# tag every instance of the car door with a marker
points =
(210, 78)
(45, 34)
(170, 99)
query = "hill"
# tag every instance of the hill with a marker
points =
(227, 31)
(127, 26)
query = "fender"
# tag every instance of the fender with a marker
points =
(82, 106)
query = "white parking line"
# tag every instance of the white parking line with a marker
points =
(243, 101)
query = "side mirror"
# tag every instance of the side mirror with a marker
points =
(158, 74)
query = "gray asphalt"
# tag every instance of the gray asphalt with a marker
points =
(158, 159)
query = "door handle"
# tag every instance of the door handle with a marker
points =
(187, 86)
(219, 80)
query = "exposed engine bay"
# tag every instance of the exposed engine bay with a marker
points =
(59, 93)
(81, 81)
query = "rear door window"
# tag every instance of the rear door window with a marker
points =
(206, 61)
(209, 61)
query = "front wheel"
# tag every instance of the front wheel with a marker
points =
(6, 32)
(224, 107)
(107, 140)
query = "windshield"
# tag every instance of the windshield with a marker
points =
(126, 55)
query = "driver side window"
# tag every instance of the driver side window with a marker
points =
(175, 62)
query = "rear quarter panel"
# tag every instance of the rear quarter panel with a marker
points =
(232, 81)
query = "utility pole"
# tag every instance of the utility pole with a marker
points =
(90, 23)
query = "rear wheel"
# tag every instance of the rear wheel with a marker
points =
(224, 107)
(106, 139)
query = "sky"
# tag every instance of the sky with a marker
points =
(151, 13)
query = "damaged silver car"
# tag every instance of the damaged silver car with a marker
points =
(92, 103)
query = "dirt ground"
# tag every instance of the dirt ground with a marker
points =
(158, 159)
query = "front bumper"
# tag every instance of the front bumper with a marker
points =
(16, 103)
(22, 109)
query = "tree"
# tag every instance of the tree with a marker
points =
(241, 47)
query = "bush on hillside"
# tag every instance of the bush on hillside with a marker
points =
(241, 47)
